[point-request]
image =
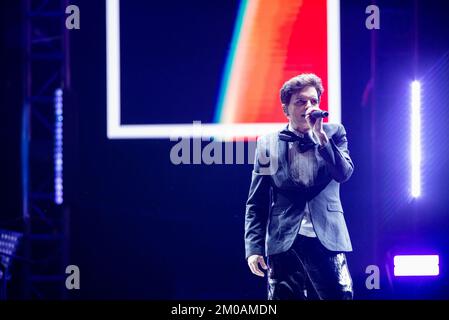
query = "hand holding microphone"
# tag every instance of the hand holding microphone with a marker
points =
(314, 118)
(316, 114)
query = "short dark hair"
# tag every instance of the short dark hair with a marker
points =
(298, 83)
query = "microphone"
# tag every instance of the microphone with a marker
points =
(319, 114)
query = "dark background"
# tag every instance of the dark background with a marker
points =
(143, 228)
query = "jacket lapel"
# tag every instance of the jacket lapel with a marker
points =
(282, 173)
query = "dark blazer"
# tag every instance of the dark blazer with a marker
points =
(276, 203)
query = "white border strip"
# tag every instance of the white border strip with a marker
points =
(198, 130)
(115, 130)
(333, 60)
(113, 68)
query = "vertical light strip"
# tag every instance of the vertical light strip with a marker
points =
(415, 140)
(113, 66)
(58, 155)
(416, 265)
(333, 60)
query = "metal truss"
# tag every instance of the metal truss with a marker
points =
(46, 223)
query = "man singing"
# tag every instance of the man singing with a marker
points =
(293, 213)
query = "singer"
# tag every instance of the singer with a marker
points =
(294, 216)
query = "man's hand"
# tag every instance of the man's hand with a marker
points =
(316, 124)
(253, 263)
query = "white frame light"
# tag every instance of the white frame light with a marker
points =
(117, 130)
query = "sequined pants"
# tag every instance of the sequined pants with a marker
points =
(309, 271)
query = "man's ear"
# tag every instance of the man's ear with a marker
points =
(285, 109)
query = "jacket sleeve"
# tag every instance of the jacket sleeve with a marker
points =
(257, 207)
(336, 155)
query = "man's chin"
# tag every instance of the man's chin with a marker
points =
(302, 127)
(302, 124)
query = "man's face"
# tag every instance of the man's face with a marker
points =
(299, 103)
